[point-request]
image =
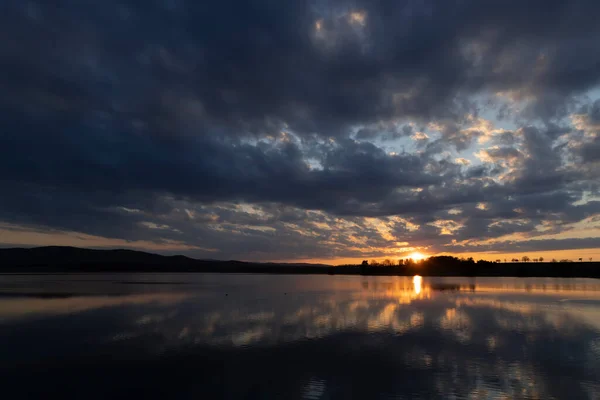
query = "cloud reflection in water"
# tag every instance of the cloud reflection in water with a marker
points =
(369, 337)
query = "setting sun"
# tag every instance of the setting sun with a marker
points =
(417, 256)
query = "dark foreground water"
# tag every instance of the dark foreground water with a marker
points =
(297, 337)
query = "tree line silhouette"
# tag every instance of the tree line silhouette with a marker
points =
(454, 266)
(409, 261)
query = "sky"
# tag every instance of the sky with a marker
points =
(325, 131)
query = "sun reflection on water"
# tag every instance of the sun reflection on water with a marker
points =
(417, 283)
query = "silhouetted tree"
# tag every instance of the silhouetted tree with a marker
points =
(365, 263)
(541, 259)
(525, 259)
(387, 262)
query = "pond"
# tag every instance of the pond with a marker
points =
(220, 336)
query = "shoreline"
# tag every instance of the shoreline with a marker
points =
(68, 260)
(28, 272)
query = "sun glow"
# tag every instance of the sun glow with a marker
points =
(417, 256)
(417, 284)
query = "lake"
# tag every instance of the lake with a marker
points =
(219, 336)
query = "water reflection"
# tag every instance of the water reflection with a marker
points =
(417, 282)
(305, 337)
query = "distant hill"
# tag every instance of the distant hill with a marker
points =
(75, 259)
(43, 255)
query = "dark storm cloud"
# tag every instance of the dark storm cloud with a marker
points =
(384, 132)
(591, 151)
(588, 120)
(114, 106)
(204, 169)
(246, 62)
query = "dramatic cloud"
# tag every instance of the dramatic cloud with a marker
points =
(302, 130)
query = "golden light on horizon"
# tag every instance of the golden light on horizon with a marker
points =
(417, 256)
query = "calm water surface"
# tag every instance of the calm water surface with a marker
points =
(206, 336)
